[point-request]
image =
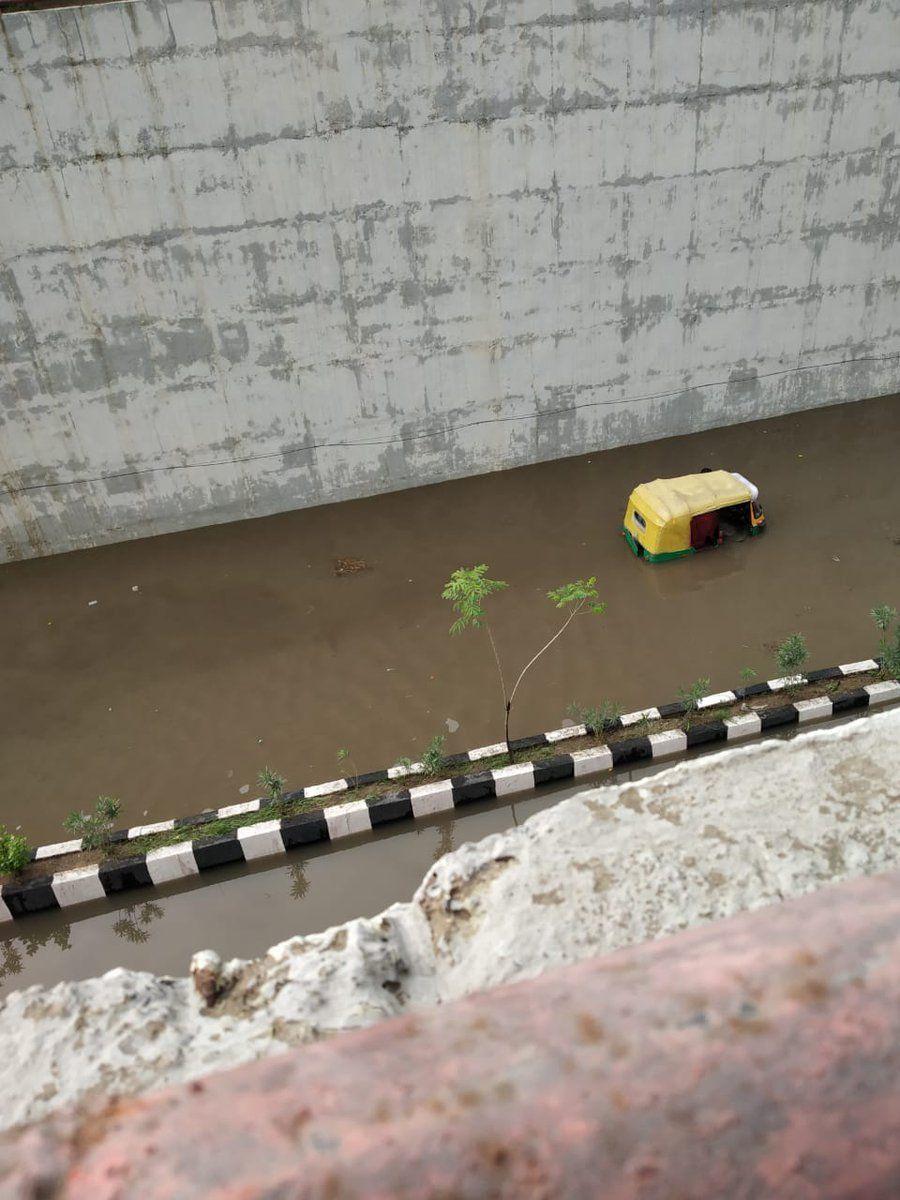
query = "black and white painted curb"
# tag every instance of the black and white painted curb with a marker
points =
(62, 889)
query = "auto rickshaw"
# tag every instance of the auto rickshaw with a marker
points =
(669, 518)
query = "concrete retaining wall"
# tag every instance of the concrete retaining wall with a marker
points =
(259, 254)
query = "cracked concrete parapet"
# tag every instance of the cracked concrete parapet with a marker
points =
(611, 867)
(258, 255)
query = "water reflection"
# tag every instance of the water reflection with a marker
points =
(11, 953)
(445, 842)
(299, 882)
(132, 925)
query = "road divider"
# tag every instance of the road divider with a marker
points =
(746, 714)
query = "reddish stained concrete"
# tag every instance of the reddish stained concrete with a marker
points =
(755, 1057)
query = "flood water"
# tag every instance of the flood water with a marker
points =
(211, 653)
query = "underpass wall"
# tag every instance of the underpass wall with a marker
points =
(262, 254)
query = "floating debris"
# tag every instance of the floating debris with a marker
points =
(91, 603)
(350, 566)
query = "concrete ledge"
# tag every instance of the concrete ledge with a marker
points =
(670, 741)
(883, 693)
(261, 841)
(486, 752)
(818, 709)
(77, 887)
(510, 780)
(746, 725)
(344, 820)
(591, 762)
(335, 822)
(867, 664)
(57, 849)
(785, 1020)
(643, 714)
(431, 798)
(172, 862)
(156, 827)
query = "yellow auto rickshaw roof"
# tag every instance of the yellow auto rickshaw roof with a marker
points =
(686, 496)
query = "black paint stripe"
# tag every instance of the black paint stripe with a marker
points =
(675, 709)
(456, 760)
(562, 766)
(785, 714)
(368, 778)
(217, 851)
(195, 820)
(395, 806)
(824, 673)
(469, 788)
(529, 743)
(34, 896)
(709, 731)
(752, 689)
(304, 828)
(630, 750)
(857, 698)
(123, 876)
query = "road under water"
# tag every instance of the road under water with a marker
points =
(168, 671)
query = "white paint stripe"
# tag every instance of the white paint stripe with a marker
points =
(743, 726)
(819, 708)
(74, 887)
(633, 718)
(716, 698)
(325, 789)
(487, 751)
(238, 810)
(778, 685)
(400, 772)
(344, 820)
(670, 741)
(561, 735)
(431, 798)
(593, 761)
(5, 914)
(517, 778)
(58, 848)
(157, 827)
(262, 840)
(868, 664)
(883, 693)
(172, 862)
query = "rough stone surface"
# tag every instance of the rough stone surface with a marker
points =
(608, 868)
(259, 254)
(754, 1058)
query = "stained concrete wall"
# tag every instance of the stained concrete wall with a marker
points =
(267, 253)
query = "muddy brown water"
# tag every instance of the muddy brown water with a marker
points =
(241, 647)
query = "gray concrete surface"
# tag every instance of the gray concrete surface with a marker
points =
(259, 254)
(610, 867)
